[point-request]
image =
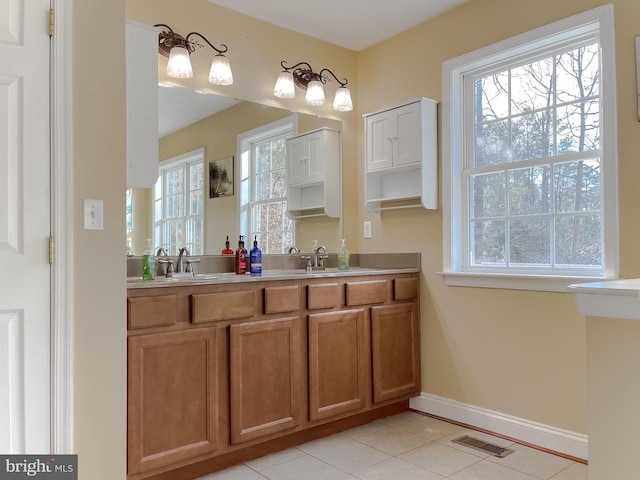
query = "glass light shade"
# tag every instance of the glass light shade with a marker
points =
(179, 65)
(284, 86)
(342, 101)
(220, 73)
(315, 93)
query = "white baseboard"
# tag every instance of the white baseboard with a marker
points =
(533, 433)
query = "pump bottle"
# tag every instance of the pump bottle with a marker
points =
(227, 250)
(241, 257)
(255, 259)
(148, 262)
(343, 257)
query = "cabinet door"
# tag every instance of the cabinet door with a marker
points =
(172, 398)
(296, 160)
(407, 124)
(337, 363)
(395, 341)
(265, 378)
(379, 141)
(315, 157)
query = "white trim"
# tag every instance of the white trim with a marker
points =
(610, 306)
(613, 299)
(533, 433)
(543, 283)
(453, 114)
(62, 231)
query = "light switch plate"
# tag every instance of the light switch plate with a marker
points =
(93, 214)
(367, 229)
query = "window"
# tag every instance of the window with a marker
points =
(264, 187)
(129, 220)
(529, 156)
(178, 204)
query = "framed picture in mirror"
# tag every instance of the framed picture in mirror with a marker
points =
(221, 177)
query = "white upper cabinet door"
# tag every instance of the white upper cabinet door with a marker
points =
(408, 136)
(316, 154)
(379, 141)
(296, 160)
(394, 137)
(306, 158)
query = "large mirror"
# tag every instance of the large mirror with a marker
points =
(190, 121)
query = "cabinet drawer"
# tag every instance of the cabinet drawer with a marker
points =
(324, 295)
(152, 311)
(211, 307)
(405, 288)
(281, 299)
(361, 293)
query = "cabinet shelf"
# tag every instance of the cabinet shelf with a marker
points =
(401, 157)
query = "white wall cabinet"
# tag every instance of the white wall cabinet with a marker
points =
(401, 154)
(314, 174)
(142, 105)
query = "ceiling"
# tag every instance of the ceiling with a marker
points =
(180, 107)
(353, 24)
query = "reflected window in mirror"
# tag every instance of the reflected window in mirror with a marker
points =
(178, 204)
(263, 189)
(129, 220)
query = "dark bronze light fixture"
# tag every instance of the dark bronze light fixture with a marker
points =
(303, 76)
(178, 49)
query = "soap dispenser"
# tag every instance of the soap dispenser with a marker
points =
(148, 262)
(343, 257)
(241, 257)
(255, 259)
(227, 250)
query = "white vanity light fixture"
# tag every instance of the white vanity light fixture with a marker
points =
(178, 49)
(303, 76)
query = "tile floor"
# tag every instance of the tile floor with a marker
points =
(407, 446)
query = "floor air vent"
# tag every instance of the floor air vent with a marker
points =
(482, 446)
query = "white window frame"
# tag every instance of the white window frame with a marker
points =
(599, 21)
(289, 126)
(186, 159)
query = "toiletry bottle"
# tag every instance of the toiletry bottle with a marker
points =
(149, 262)
(255, 259)
(227, 250)
(343, 257)
(241, 257)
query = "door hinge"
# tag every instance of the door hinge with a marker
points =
(51, 22)
(52, 250)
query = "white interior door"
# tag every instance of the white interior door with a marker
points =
(25, 283)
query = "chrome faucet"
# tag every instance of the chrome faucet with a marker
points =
(184, 251)
(316, 261)
(319, 255)
(179, 267)
(162, 259)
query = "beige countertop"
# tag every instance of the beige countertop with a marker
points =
(267, 275)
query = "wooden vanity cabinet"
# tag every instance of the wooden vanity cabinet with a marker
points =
(219, 373)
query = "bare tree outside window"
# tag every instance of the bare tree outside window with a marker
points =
(534, 178)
